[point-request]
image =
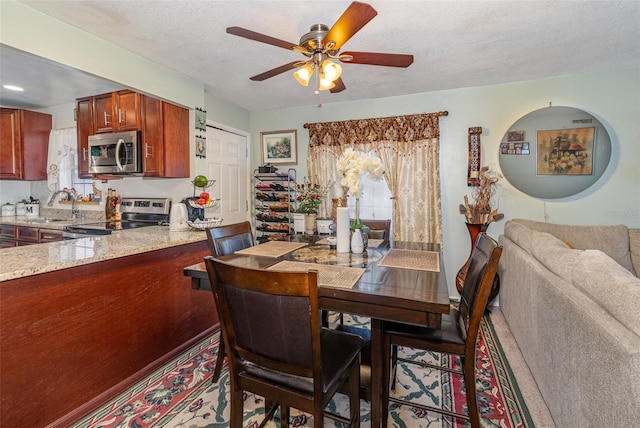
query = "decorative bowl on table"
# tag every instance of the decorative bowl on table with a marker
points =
(204, 224)
(209, 205)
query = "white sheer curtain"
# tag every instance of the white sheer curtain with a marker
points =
(62, 149)
(409, 148)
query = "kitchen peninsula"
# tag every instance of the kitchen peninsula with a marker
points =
(81, 320)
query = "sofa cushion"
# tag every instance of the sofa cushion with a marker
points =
(609, 285)
(611, 240)
(554, 254)
(518, 233)
(634, 246)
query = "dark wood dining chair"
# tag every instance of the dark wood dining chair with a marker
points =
(225, 240)
(457, 335)
(378, 229)
(276, 345)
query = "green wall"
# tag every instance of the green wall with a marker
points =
(611, 96)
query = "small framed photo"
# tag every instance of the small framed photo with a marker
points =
(279, 147)
(515, 136)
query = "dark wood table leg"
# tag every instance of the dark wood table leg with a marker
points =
(376, 372)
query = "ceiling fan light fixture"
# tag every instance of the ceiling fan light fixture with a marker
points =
(303, 74)
(331, 70)
(324, 84)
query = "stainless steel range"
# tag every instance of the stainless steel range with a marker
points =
(136, 212)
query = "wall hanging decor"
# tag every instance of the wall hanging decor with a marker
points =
(201, 147)
(279, 147)
(571, 151)
(201, 119)
(473, 171)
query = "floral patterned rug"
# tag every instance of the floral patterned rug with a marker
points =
(181, 394)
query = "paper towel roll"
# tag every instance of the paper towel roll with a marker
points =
(343, 243)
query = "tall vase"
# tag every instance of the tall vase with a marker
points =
(310, 223)
(357, 237)
(474, 230)
(357, 242)
(357, 223)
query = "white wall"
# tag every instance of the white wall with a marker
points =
(613, 97)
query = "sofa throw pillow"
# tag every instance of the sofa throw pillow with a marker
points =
(611, 240)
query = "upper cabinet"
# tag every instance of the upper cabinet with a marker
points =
(116, 111)
(24, 143)
(84, 125)
(164, 126)
(165, 139)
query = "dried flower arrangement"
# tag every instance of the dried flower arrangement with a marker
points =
(480, 211)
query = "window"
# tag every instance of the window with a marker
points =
(375, 202)
(83, 186)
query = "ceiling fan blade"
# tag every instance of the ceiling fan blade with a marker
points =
(339, 86)
(275, 71)
(352, 20)
(252, 35)
(376, 58)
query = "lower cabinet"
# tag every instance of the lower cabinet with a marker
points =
(14, 236)
(72, 339)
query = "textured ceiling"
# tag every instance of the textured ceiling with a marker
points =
(456, 44)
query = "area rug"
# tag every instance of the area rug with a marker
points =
(181, 394)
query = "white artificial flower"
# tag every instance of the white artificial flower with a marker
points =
(353, 165)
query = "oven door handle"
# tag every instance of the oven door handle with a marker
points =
(118, 146)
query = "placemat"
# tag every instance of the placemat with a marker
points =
(328, 275)
(412, 259)
(272, 248)
(374, 243)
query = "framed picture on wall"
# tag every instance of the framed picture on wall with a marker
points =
(279, 147)
(566, 151)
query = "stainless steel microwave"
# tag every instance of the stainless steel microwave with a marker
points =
(115, 153)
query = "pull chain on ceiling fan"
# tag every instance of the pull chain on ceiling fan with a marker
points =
(321, 46)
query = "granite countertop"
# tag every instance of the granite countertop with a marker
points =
(29, 260)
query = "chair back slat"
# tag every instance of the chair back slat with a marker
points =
(269, 318)
(263, 325)
(477, 285)
(379, 229)
(230, 238)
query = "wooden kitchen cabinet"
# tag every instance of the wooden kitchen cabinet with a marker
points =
(165, 139)
(14, 236)
(7, 236)
(116, 111)
(164, 126)
(49, 235)
(24, 142)
(84, 124)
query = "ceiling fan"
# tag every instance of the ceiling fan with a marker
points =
(321, 45)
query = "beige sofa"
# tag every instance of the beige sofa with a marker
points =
(571, 297)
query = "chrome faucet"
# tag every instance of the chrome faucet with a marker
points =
(71, 196)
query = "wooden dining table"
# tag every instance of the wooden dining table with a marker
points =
(382, 293)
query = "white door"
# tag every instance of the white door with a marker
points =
(227, 164)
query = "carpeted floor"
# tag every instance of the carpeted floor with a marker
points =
(181, 394)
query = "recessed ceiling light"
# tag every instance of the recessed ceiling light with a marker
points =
(13, 88)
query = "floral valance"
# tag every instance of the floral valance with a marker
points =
(398, 128)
